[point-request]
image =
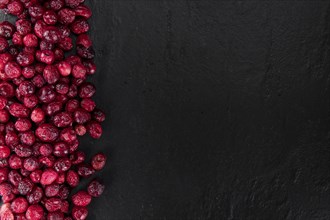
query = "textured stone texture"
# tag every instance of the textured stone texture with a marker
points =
(217, 109)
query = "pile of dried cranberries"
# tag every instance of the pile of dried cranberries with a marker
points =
(45, 104)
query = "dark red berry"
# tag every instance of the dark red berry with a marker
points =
(95, 188)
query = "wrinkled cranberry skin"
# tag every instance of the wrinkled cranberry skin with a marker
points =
(86, 90)
(35, 176)
(4, 152)
(51, 35)
(14, 177)
(81, 198)
(25, 59)
(77, 157)
(19, 110)
(46, 149)
(30, 101)
(34, 212)
(50, 17)
(51, 74)
(3, 174)
(95, 188)
(73, 3)
(7, 29)
(55, 215)
(52, 190)
(15, 8)
(53, 204)
(35, 196)
(61, 149)
(46, 94)
(62, 165)
(47, 133)
(81, 116)
(23, 150)
(48, 177)
(25, 186)
(36, 11)
(85, 170)
(56, 4)
(45, 56)
(19, 205)
(94, 129)
(86, 53)
(3, 44)
(79, 26)
(15, 162)
(66, 16)
(79, 213)
(26, 88)
(53, 108)
(27, 138)
(12, 70)
(83, 11)
(72, 178)
(31, 164)
(30, 40)
(37, 115)
(72, 105)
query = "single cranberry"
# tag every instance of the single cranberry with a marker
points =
(37, 115)
(83, 11)
(81, 116)
(25, 186)
(45, 56)
(98, 161)
(7, 89)
(31, 164)
(5, 189)
(90, 66)
(85, 170)
(36, 11)
(47, 133)
(38, 81)
(19, 110)
(35, 176)
(84, 40)
(25, 59)
(3, 44)
(13, 50)
(30, 101)
(88, 104)
(72, 178)
(23, 150)
(30, 40)
(46, 94)
(56, 4)
(15, 162)
(95, 188)
(50, 17)
(94, 129)
(48, 177)
(27, 138)
(66, 44)
(53, 204)
(73, 91)
(62, 165)
(14, 177)
(23, 26)
(15, 8)
(80, 130)
(5, 211)
(86, 90)
(77, 157)
(61, 178)
(85, 52)
(51, 74)
(7, 29)
(4, 116)
(22, 124)
(53, 108)
(17, 39)
(73, 59)
(8, 198)
(63, 192)
(46, 149)
(61, 149)
(35, 196)
(3, 162)
(38, 28)
(79, 26)
(59, 54)
(64, 31)
(34, 212)
(79, 213)
(79, 71)
(64, 68)
(68, 135)
(62, 119)
(19, 205)
(81, 198)
(52, 190)
(12, 70)
(26, 88)
(66, 16)
(51, 34)
(4, 152)
(74, 146)
(65, 207)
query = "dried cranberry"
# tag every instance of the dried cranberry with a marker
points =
(25, 186)
(47, 132)
(62, 165)
(81, 198)
(85, 170)
(72, 178)
(19, 205)
(15, 8)
(48, 177)
(50, 17)
(94, 129)
(51, 74)
(7, 29)
(34, 212)
(79, 213)
(95, 188)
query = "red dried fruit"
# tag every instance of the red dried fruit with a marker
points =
(48, 177)
(4, 151)
(19, 205)
(25, 186)
(47, 132)
(34, 212)
(81, 198)
(95, 188)
(79, 213)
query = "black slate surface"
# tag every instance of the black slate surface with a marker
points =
(216, 109)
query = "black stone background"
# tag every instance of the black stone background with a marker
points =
(216, 109)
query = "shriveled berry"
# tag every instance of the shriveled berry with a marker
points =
(25, 59)
(79, 213)
(94, 129)
(52, 190)
(55, 215)
(79, 26)
(19, 205)
(26, 88)
(53, 204)
(36, 11)
(46, 149)
(25, 186)
(66, 16)
(34, 212)
(5, 189)
(15, 7)
(35, 196)
(73, 3)
(7, 29)
(31, 164)
(62, 165)
(85, 52)
(95, 188)
(46, 94)
(45, 56)
(48, 177)
(83, 11)
(85, 170)
(4, 152)
(62, 119)
(47, 132)
(50, 17)
(14, 177)
(61, 149)
(37, 115)
(23, 150)
(80, 130)
(56, 4)
(77, 157)
(35, 176)
(53, 108)
(15, 162)
(12, 70)
(72, 178)
(27, 138)
(51, 74)
(30, 101)
(81, 198)
(30, 40)
(51, 34)
(81, 116)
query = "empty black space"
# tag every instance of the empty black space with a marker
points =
(217, 110)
